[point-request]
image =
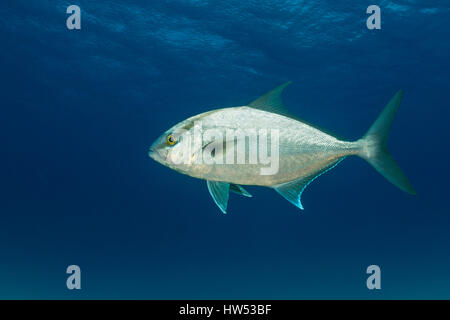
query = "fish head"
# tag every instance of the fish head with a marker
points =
(175, 147)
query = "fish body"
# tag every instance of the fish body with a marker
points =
(260, 145)
(303, 149)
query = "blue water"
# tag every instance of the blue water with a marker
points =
(79, 109)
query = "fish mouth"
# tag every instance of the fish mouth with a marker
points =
(157, 156)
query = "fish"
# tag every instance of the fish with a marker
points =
(262, 144)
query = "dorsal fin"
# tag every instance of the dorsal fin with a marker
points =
(271, 101)
(292, 191)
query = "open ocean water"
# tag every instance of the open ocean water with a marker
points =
(80, 108)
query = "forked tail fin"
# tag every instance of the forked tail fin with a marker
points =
(374, 146)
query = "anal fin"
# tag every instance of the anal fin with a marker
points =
(292, 191)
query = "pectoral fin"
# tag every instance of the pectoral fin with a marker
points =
(219, 192)
(217, 150)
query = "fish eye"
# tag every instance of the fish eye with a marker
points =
(171, 140)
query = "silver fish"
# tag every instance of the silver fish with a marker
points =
(302, 152)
